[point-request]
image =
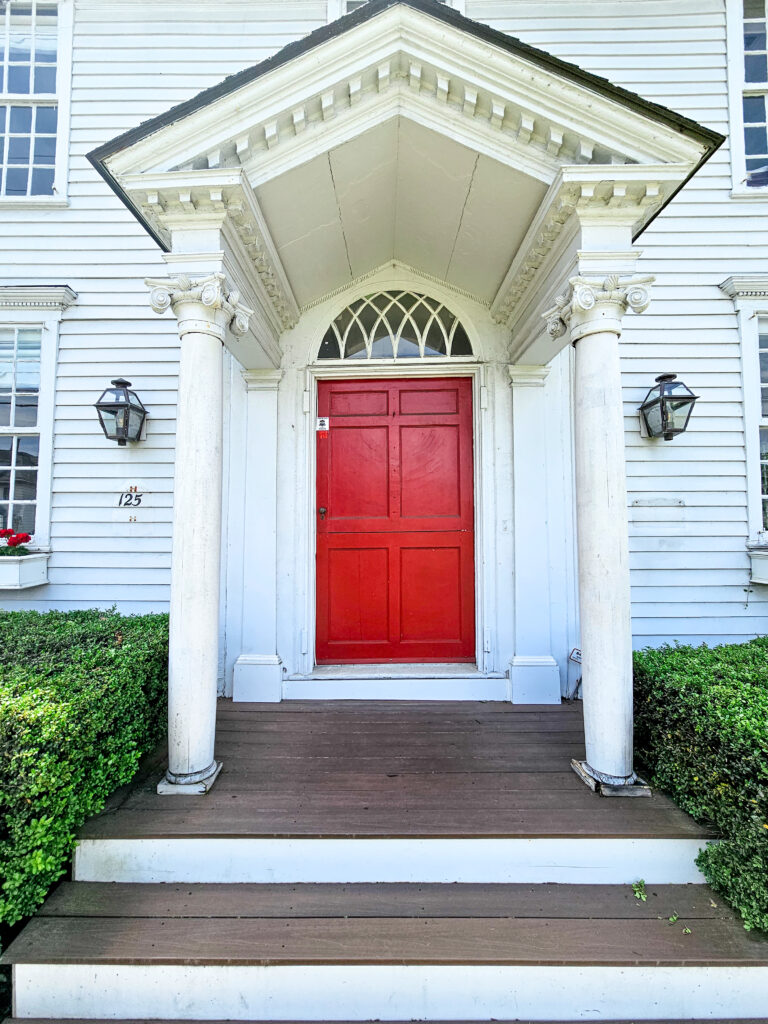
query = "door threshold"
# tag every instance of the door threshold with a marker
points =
(398, 670)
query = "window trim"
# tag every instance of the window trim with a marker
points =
(749, 293)
(335, 8)
(40, 306)
(63, 100)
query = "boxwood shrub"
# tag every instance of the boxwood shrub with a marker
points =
(701, 732)
(82, 697)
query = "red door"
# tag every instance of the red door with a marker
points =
(395, 522)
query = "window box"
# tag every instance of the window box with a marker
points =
(18, 572)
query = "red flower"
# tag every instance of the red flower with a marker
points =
(13, 542)
(6, 533)
(23, 538)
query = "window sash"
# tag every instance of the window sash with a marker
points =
(42, 179)
(20, 379)
(46, 322)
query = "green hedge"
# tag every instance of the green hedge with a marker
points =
(82, 697)
(701, 730)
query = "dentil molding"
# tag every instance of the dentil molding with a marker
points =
(36, 296)
(746, 286)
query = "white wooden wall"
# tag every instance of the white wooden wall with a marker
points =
(133, 60)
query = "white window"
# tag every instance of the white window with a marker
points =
(336, 8)
(35, 38)
(19, 427)
(29, 322)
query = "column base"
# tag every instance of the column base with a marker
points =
(197, 788)
(258, 677)
(534, 679)
(637, 787)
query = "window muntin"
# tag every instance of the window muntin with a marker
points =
(20, 355)
(28, 111)
(755, 92)
(395, 325)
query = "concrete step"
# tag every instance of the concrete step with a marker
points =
(386, 952)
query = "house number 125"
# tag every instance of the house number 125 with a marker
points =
(129, 500)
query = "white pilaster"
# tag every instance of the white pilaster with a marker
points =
(534, 677)
(258, 670)
(594, 309)
(204, 308)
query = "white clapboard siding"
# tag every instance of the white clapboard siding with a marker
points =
(134, 59)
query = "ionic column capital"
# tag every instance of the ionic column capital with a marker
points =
(205, 305)
(592, 306)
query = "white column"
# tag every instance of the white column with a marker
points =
(258, 672)
(204, 309)
(594, 312)
(534, 676)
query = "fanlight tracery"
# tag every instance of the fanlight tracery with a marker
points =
(395, 325)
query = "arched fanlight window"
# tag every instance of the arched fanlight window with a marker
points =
(395, 325)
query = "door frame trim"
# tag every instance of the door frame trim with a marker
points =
(484, 500)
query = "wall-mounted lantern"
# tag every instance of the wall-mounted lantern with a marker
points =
(667, 407)
(121, 412)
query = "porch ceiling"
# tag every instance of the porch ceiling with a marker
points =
(402, 192)
(403, 132)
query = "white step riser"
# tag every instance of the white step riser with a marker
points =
(416, 688)
(584, 861)
(389, 992)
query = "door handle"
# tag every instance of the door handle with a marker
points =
(322, 512)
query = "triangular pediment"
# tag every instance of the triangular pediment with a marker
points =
(491, 119)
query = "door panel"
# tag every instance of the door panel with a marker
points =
(430, 471)
(352, 494)
(395, 529)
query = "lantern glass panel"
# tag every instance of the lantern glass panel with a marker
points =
(107, 417)
(121, 422)
(679, 406)
(135, 420)
(653, 418)
(678, 413)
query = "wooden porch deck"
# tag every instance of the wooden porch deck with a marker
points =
(381, 769)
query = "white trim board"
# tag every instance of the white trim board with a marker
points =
(592, 861)
(402, 992)
(408, 687)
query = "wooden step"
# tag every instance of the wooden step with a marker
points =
(365, 900)
(385, 924)
(269, 941)
(386, 951)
